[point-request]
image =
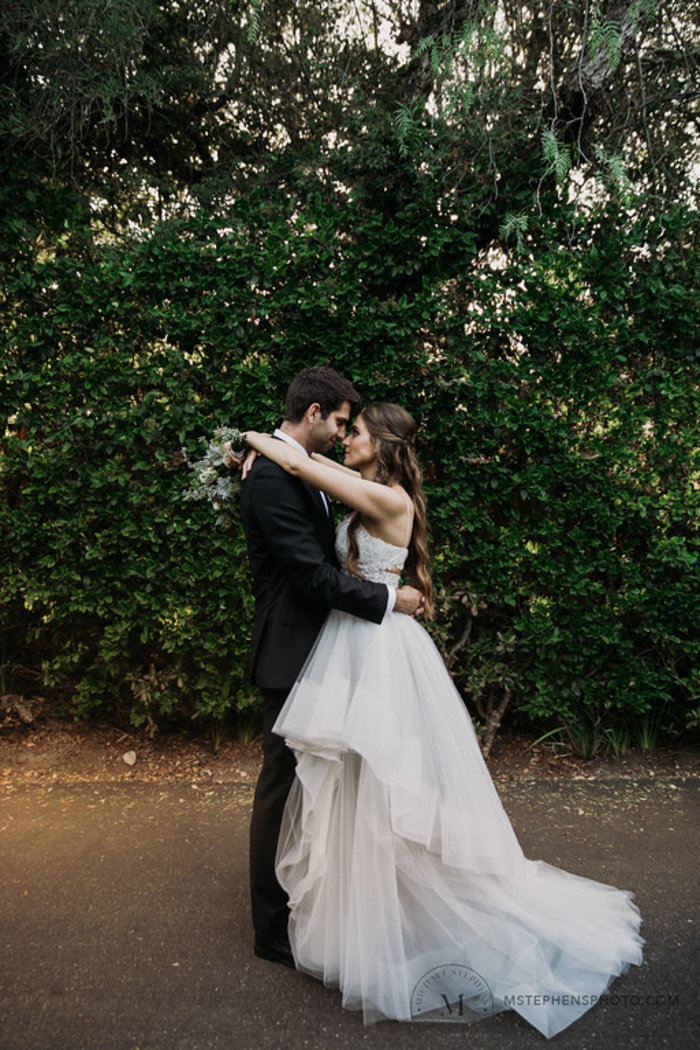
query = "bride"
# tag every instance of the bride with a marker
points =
(407, 886)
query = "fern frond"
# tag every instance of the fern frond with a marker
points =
(514, 224)
(606, 36)
(556, 154)
(253, 30)
(406, 127)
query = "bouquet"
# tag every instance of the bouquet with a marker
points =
(211, 480)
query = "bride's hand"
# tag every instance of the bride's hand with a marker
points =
(231, 459)
(243, 460)
(409, 601)
(251, 456)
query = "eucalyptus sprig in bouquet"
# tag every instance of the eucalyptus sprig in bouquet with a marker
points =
(211, 480)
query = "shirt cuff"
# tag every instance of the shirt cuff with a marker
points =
(391, 600)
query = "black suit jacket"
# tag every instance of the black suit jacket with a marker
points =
(296, 579)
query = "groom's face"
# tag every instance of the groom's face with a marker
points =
(324, 433)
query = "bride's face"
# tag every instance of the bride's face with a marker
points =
(358, 446)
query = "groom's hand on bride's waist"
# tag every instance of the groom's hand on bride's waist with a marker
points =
(409, 601)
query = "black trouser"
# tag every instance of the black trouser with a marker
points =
(268, 899)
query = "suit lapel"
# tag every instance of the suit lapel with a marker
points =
(324, 522)
(329, 522)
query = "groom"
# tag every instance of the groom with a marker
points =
(296, 580)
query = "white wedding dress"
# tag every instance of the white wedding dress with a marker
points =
(407, 886)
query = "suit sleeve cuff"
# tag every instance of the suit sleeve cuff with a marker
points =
(391, 599)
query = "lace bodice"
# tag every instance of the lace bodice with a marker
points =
(376, 559)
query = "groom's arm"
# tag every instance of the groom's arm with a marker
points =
(282, 514)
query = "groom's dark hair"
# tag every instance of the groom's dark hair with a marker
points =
(319, 385)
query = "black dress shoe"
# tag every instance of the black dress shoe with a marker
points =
(279, 952)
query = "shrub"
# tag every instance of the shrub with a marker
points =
(557, 397)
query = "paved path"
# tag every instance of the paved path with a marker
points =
(124, 922)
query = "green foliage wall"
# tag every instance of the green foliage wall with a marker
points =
(558, 401)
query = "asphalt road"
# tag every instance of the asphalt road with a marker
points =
(124, 922)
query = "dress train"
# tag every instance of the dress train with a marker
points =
(407, 886)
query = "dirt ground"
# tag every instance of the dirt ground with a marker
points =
(49, 751)
(125, 912)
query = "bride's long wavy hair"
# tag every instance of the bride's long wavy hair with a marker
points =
(393, 432)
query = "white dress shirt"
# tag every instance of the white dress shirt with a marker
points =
(391, 598)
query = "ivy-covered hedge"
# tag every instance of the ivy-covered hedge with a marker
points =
(558, 401)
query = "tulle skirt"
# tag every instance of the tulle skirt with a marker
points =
(407, 886)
